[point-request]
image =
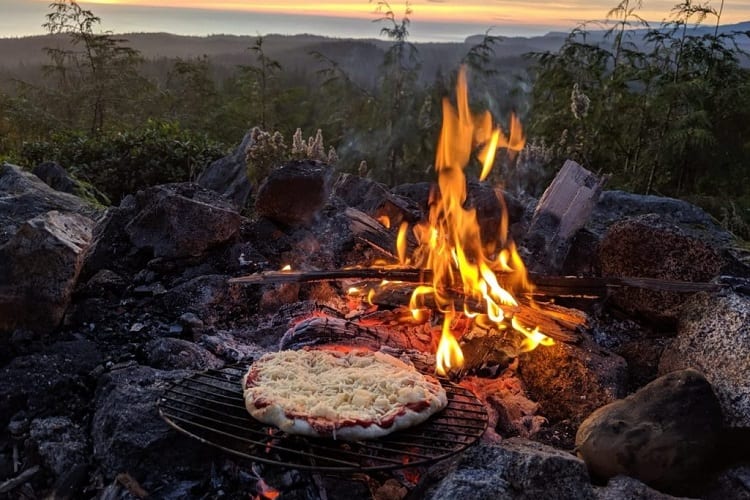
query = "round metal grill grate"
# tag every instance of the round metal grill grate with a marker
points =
(210, 407)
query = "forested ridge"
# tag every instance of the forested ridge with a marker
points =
(663, 108)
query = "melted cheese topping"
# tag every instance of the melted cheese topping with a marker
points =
(335, 386)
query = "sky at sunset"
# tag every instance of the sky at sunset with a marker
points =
(438, 20)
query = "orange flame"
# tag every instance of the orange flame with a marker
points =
(450, 243)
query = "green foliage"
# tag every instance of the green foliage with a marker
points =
(123, 162)
(669, 115)
(95, 76)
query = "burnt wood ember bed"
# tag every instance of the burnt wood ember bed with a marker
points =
(209, 407)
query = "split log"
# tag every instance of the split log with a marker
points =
(563, 209)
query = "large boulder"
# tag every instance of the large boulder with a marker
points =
(181, 220)
(24, 196)
(713, 336)
(665, 435)
(39, 267)
(514, 469)
(56, 177)
(651, 247)
(228, 176)
(693, 221)
(293, 193)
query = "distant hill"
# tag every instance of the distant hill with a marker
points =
(292, 51)
(21, 58)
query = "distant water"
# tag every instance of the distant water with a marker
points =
(25, 17)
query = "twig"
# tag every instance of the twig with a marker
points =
(17, 481)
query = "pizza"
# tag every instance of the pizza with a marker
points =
(348, 395)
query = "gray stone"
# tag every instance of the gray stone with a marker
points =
(693, 221)
(61, 444)
(181, 220)
(178, 354)
(128, 434)
(624, 487)
(39, 267)
(713, 336)
(210, 296)
(665, 435)
(570, 381)
(24, 196)
(293, 193)
(651, 247)
(191, 322)
(733, 482)
(55, 176)
(514, 469)
(228, 176)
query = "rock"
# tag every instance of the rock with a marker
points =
(621, 487)
(178, 354)
(55, 176)
(375, 199)
(665, 435)
(191, 322)
(50, 382)
(713, 336)
(733, 482)
(104, 282)
(181, 220)
(692, 221)
(127, 432)
(570, 381)
(650, 247)
(61, 444)
(110, 245)
(39, 267)
(232, 348)
(514, 469)
(210, 296)
(228, 176)
(24, 196)
(293, 193)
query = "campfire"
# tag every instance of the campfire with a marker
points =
(473, 277)
(153, 325)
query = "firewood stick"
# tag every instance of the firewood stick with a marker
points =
(544, 285)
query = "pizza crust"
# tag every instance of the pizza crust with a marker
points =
(344, 395)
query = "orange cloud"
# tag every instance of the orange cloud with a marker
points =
(487, 13)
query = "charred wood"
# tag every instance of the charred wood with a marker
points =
(335, 331)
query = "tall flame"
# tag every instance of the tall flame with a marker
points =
(450, 242)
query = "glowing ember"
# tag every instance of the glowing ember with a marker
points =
(287, 267)
(450, 243)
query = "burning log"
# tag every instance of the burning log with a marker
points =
(557, 322)
(562, 210)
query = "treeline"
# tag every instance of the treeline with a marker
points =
(665, 109)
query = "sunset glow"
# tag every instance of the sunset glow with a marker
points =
(486, 13)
